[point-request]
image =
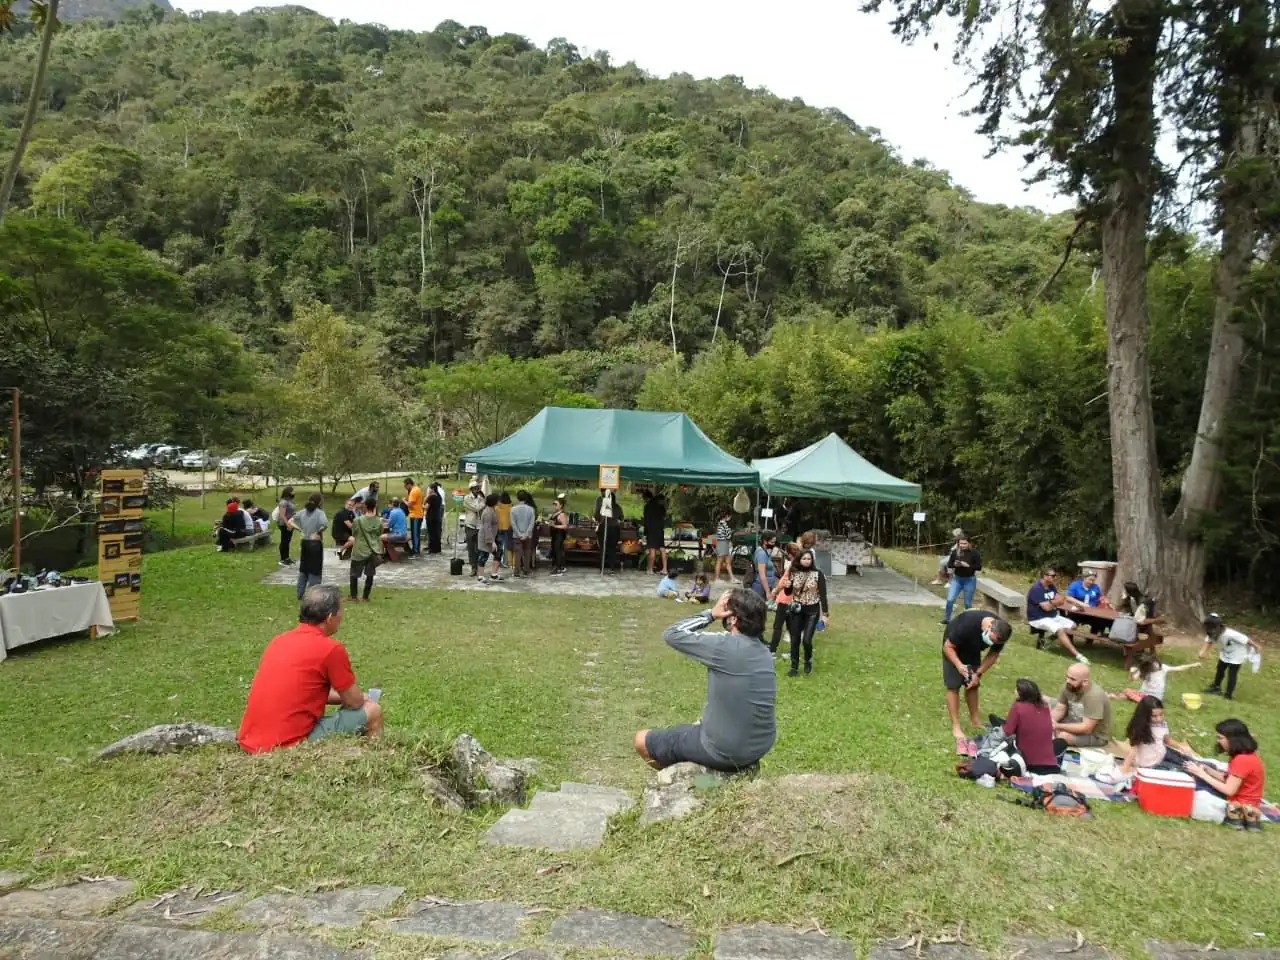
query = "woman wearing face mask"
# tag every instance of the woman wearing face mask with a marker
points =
(971, 644)
(808, 605)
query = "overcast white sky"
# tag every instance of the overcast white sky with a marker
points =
(825, 52)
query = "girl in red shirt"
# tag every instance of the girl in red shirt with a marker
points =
(1242, 786)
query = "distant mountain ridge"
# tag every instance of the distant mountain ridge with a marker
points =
(94, 9)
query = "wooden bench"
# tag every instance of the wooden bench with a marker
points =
(1000, 599)
(1146, 641)
(252, 542)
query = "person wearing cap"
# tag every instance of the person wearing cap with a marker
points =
(472, 507)
(1234, 649)
(232, 526)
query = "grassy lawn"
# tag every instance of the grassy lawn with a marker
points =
(905, 847)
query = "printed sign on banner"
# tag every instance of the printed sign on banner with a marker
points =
(468, 468)
(610, 476)
(122, 500)
(918, 517)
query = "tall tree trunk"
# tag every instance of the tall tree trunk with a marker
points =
(33, 106)
(1138, 517)
(1240, 118)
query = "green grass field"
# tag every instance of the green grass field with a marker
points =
(907, 847)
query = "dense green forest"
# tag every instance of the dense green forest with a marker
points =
(270, 229)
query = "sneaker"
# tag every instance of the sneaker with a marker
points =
(793, 672)
(1081, 658)
(495, 579)
(986, 780)
(944, 622)
(557, 573)
(808, 668)
(482, 581)
(1215, 690)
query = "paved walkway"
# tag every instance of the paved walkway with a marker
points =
(83, 922)
(880, 585)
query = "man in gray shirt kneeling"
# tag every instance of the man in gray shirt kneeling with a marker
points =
(738, 724)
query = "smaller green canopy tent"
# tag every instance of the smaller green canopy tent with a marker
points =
(571, 444)
(831, 469)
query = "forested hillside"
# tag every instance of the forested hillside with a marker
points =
(444, 230)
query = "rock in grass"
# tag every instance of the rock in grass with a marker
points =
(675, 790)
(438, 790)
(169, 738)
(483, 780)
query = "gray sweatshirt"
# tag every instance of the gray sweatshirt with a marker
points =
(738, 723)
(522, 521)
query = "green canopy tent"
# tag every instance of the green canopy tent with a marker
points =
(831, 469)
(571, 444)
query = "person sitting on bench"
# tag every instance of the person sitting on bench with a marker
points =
(260, 519)
(301, 672)
(738, 724)
(232, 527)
(1044, 604)
(397, 527)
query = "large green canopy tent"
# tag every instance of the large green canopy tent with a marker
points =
(571, 444)
(831, 469)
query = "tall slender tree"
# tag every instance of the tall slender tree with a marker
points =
(45, 15)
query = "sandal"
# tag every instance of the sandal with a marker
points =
(962, 746)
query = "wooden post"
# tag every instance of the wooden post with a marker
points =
(15, 461)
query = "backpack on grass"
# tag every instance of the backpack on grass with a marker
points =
(1058, 799)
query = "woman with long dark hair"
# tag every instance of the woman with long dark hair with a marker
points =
(435, 517)
(487, 542)
(808, 605)
(311, 523)
(1149, 742)
(1245, 777)
(284, 513)
(1030, 723)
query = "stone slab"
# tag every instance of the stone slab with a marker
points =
(767, 942)
(476, 920)
(585, 802)
(594, 789)
(549, 829)
(12, 878)
(334, 908)
(939, 951)
(1159, 950)
(527, 953)
(1031, 948)
(75, 900)
(32, 938)
(668, 803)
(621, 931)
(182, 907)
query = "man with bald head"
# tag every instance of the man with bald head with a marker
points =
(1082, 713)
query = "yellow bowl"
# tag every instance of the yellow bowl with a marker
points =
(1192, 701)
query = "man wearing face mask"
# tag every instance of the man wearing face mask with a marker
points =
(971, 645)
(738, 724)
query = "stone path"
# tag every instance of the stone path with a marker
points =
(75, 922)
(574, 818)
(876, 585)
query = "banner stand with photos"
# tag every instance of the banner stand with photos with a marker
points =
(121, 501)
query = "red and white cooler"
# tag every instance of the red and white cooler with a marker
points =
(1165, 793)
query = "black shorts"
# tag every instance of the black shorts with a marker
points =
(952, 678)
(683, 744)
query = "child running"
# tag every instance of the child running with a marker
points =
(1234, 649)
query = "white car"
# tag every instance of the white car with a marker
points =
(197, 459)
(236, 460)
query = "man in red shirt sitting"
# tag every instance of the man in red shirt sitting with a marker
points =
(301, 672)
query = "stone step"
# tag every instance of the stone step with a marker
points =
(594, 789)
(34, 938)
(558, 830)
(586, 802)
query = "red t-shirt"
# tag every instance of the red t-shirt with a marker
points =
(291, 688)
(1033, 727)
(1248, 767)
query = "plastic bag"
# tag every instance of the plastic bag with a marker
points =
(741, 501)
(1255, 660)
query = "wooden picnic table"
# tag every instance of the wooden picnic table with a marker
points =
(1099, 621)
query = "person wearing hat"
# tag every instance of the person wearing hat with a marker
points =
(472, 507)
(1234, 649)
(232, 526)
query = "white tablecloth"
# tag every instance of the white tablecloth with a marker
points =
(52, 612)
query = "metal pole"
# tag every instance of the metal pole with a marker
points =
(16, 463)
(916, 565)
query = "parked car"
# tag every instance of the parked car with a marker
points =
(141, 456)
(241, 460)
(195, 459)
(166, 455)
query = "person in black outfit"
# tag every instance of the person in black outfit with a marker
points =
(655, 528)
(971, 645)
(342, 521)
(231, 527)
(808, 605)
(435, 517)
(257, 513)
(608, 528)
